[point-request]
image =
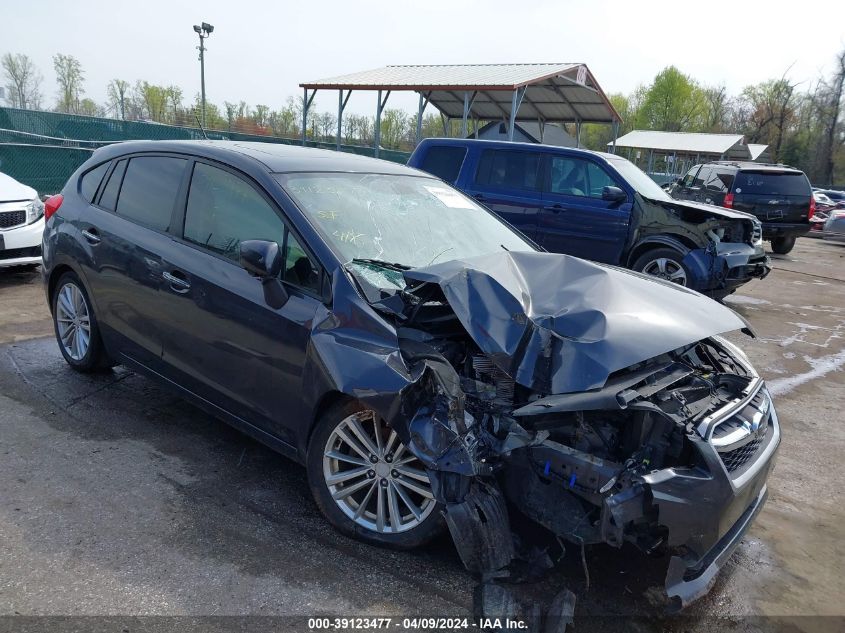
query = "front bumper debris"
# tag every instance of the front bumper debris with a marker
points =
(725, 267)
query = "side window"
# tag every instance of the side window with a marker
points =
(702, 176)
(91, 181)
(223, 210)
(108, 199)
(598, 179)
(149, 190)
(444, 162)
(299, 269)
(688, 179)
(507, 169)
(568, 176)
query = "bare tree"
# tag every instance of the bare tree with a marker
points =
(23, 81)
(831, 118)
(117, 91)
(70, 77)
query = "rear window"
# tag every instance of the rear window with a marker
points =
(507, 169)
(444, 162)
(91, 181)
(149, 190)
(772, 183)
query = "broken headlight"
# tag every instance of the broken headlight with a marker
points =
(757, 233)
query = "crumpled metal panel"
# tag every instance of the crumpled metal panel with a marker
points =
(558, 324)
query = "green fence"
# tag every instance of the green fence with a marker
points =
(42, 149)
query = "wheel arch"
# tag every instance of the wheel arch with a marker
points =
(679, 243)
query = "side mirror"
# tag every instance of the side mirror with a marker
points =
(263, 259)
(613, 194)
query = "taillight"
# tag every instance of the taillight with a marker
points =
(812, 206)
(52, 204)
(729, 201)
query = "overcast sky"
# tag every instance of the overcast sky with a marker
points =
(261, 51)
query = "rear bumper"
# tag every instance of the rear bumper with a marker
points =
(775, 229)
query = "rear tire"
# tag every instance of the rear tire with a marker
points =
(782, 245)
(663, 263)
(405, 519)
(76, 328)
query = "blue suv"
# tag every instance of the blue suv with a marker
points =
(604, 208)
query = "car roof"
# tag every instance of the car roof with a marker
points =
(273, 157)
(752, 166)
(467, 142)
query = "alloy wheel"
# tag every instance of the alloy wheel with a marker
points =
(373, 479)
(668, 269)
(73, 321)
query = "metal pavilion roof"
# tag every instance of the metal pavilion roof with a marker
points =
(687, 142)
(552, 92)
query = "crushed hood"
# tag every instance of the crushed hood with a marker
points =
(559, 324)
(711, 209)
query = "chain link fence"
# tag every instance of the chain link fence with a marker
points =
(42, 149)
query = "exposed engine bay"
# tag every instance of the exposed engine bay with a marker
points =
(597, 418)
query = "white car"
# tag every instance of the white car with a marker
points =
(21, 224)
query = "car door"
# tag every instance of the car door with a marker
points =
(575, 220)
(507, 181)
(223, 342)
(126, 230)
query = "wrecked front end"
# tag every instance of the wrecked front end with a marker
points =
(730, 251)
(593, 402)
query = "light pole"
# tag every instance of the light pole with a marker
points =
(203, 30)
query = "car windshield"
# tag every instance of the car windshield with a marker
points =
(639, 180)
(407, 220)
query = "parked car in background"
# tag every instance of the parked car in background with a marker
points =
(835, 196)
(21, 224)
(834, 227)
(420, 357)
(604, 208)
(778, 195)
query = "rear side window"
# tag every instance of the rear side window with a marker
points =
(108, 199)
(149, 190)
(719, 180)
(91, 181)
(444, 162)
(784, 183)
(507, 169)
(223, 210)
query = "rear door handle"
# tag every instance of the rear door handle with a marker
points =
(554, 207)
(479, 196)
(91, 236)
(177, 281)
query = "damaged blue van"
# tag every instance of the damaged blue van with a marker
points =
(604, 208)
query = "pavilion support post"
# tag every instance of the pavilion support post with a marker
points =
(578, 133)
(341, 106)
(615, 135)
(306, 103)
(516, 101)
(379, 110)
(445, 121)
(468, 101)
(650, 160)
(423, 103)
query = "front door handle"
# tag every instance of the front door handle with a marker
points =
(177, 282)
(556, 208)
(91, 236)
(479, 197)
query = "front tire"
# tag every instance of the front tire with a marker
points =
(366, 483)
(663, 263)
(782, 245)
(76, 328)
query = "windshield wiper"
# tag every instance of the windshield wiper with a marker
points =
(381, 263)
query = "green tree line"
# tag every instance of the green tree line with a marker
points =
(803, 124)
